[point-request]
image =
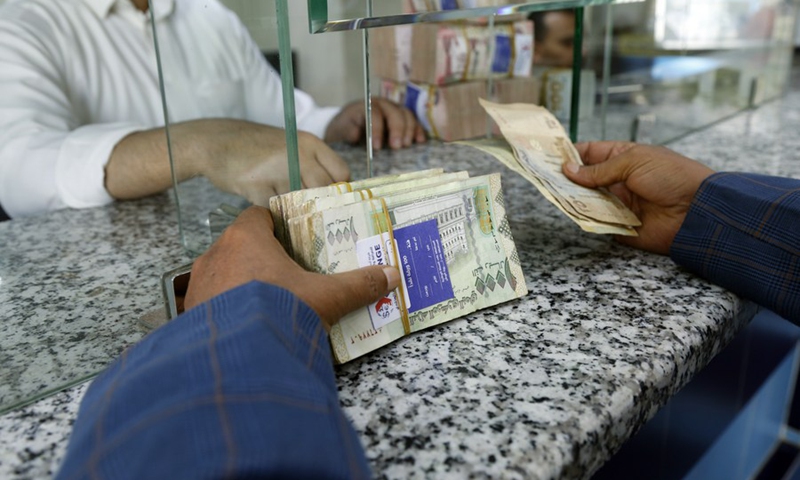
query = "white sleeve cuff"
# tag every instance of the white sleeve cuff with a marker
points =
(82, 159)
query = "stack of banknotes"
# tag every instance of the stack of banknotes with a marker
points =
(536, 146)
(417, 6)
(442, 53)
(452, 112)
(447, 233)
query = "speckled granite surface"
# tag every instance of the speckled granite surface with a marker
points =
(547, 387)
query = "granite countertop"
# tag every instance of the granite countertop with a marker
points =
(545, 387)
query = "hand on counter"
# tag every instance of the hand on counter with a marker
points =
(243, 385)
(240, 157)
(248, 250)
(657, 184)
(390, 121)
(738, 230)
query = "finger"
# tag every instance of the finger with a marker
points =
(410, 124)
(377, 127)
(394, 119)
(615, 170)
(335, 168)
(597, 152)
(319, 164)
(313, 174)
(348, 291)
(419, 134)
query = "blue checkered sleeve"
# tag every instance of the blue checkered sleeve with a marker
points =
(743, 232)
(241, 386)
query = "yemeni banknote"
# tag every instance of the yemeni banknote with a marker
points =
(451, 242)
(539, 147)
(324, 203)
(281, 205)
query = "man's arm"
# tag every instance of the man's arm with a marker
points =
(48, 158)
(742, 232)
(240, 385)
(238, 156)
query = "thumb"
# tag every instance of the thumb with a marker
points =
(603, 174)
(349, 291)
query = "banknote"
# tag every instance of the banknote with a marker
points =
(541, 146)
(324, 203)
(451, 242)
(281, 205)
(444, 53)
(452, 112)
(502, 151)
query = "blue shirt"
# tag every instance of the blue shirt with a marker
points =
(241, 386)
(742, 232)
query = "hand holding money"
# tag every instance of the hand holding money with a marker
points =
(248, 251)
(447, 234)
(657, 183)
(537, 147)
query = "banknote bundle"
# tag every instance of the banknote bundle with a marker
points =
(536, 146)
(447, 234)
(419, 6)
(452, 112)
(442, 53)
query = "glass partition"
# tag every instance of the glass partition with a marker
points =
(670, 67)
(230, 116)
(483, 41)
(607, 69)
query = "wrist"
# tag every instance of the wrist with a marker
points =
(198, 145)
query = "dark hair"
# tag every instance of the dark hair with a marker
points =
(539, 27)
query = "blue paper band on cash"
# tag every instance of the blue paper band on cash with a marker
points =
(417, 251)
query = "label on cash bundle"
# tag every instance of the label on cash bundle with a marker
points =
(423, 266)
(375, 251)
(502, 53)
(523, 55)
(417, 101)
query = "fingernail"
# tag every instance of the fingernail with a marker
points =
(392, 277)
(572, 168)
(397, 143)
(408, 141)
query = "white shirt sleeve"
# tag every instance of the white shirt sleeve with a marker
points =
(47, 160)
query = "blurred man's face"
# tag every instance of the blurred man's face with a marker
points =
(556, 48)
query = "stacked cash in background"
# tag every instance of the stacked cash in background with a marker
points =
(452, 112)
(418, 6)
(405, 55)
(439, 70)
(536, 146)
(447, 233)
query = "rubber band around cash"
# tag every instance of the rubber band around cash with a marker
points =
(429, 111)
(465, 73)
(349, 188)
(365, 191)
(396, 258)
